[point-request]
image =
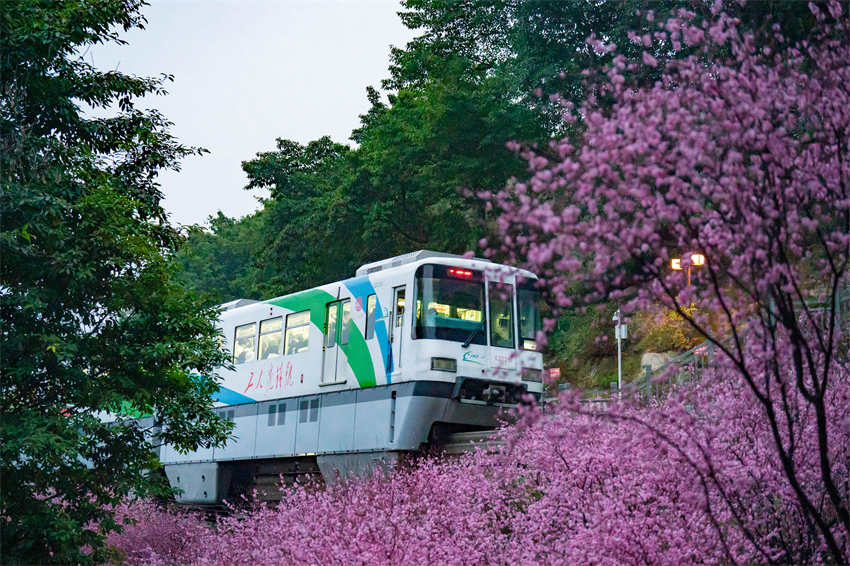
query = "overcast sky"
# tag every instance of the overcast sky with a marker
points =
(247, 72)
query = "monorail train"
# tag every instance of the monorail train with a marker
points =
(339, 378)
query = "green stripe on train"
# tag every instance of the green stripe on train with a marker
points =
(357, 351)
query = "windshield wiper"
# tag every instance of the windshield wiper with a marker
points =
(471, 337)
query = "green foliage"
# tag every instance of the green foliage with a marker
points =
(93, 318)
(526, 45)
(583, 346)
(531, 44)
(309, 222)
(432, 141)
(222, 263)
(666, 332)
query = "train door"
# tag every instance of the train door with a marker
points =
(343, 369)
(396, 326)
(330, 350)
(337, 329)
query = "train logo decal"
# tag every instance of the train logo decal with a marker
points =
(472, 358)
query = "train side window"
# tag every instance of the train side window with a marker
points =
(501, 314)
(330, 325)
(371, 305)
(272, 410)
(528, 307)
(270, 335)
(297, 333)
(245, 343)
(399, 308)
(345, 327)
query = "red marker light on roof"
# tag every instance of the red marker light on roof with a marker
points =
(460, 272)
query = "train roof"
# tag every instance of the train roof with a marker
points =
(388, 265)
(399, 260)
(236, 304)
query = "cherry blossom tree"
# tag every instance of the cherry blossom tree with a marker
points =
(689, 481)
(739, 152)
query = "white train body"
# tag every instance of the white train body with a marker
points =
(361, 370)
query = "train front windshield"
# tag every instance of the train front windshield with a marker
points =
(450, 304)
(528, 303)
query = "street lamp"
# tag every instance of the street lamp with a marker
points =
(620, 331)
(697, 260)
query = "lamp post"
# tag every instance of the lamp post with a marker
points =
(620, 332)
(697, 260)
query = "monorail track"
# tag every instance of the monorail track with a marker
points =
(265, 480)
(462, 442)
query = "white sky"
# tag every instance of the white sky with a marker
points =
(247, 72)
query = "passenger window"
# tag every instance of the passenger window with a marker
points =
(330, 326)
(270, 334)
(345, 328)
(297, 333)
(501, 314)
(245, 343)
(399, 308)
(371, 305)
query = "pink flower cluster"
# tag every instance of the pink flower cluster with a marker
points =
(693, 480)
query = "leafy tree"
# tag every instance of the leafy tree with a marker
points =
(93, 318)
(417, 154)
(308, 222)
(532, 44)
(222, 262)
(526, 44)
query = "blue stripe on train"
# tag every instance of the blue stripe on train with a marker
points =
(230, 397)
(361, 287)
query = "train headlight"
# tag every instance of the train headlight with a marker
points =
(531, 374)
(444, 364)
